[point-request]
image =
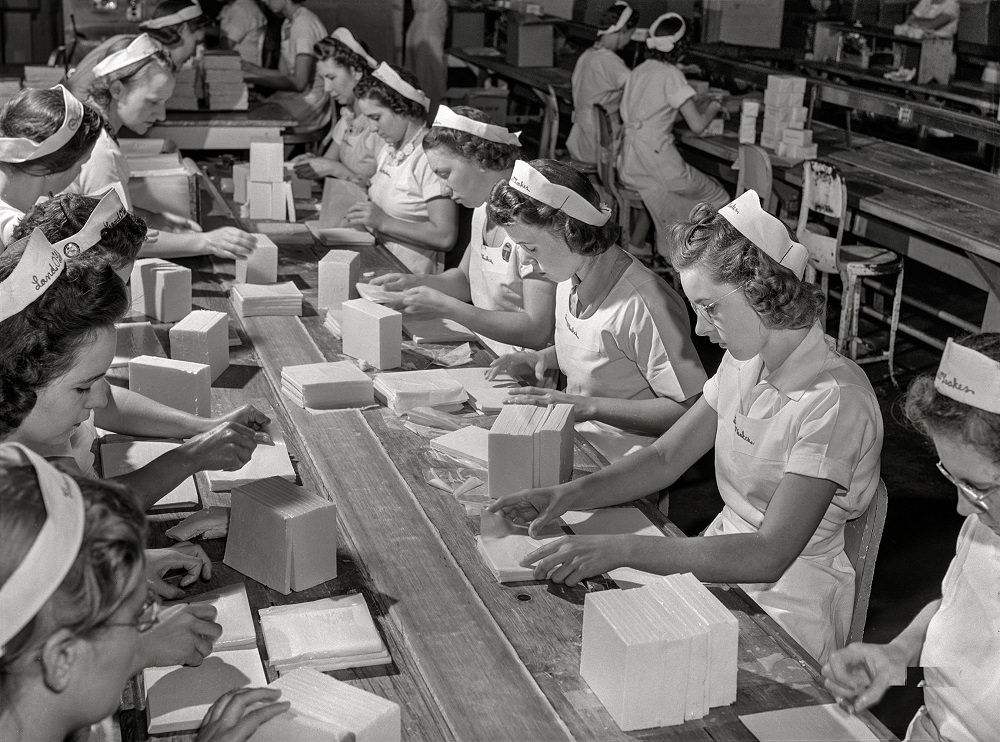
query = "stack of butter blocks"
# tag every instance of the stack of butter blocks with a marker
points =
(224, 81)
(187, 90)
(256, 300)
(327, 386)
(260, 266)
(241, 180)
(160, 289)
(202, 337)
(661, 654)
(268, 195)
(182, 385)
(749, 111)
(339, 271)
(530, 447)
(783, 111)
(405, 390)
(372, 333)
(282, 535)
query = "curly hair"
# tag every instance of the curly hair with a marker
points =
(107, 570)
(373, 89)
(675, 55)
(773, 291)
(40, 342)
(935, 414)
(509, 206)
(64, 215)
(332, 50)
(37, 115)
(170, 36)
(611, 15)
(99, 93)
(486, 154)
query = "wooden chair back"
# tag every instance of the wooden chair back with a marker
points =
(824, 192)
(550, 123)
(862, 537)
(755, 173)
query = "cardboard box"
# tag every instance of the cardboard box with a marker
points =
(979, 22)
(491, 101)
(743, 22)
(529, 41)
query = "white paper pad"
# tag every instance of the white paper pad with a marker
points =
(486, 395)
(826, 723)
(232, 613)
(469, 445)
(378, 294)
(267, 461)
(437, 330)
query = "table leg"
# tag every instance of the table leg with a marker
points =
(991, 274)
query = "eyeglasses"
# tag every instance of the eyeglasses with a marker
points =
(149, 615)
(977, 498)
(705, 310)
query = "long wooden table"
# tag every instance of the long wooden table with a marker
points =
(472, 659)
(224, 130)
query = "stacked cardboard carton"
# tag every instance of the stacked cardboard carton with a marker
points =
(268, 195)
(187, 89)
(785, 118)
(224, 81)
(749, 110)
(530, 447)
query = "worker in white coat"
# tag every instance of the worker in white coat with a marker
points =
(425, 47)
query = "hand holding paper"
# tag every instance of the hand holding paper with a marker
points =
(859, 675)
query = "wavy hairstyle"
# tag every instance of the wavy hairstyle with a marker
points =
(332, 50)
(99, 93)
(109, 566)
(935, 414)
(64, 215)
(668, 28)
(372, 88)
(40, 343)
(484, 153)
(509, 206)
(37, 115)
(774, 292)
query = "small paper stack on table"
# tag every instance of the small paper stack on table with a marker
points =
(255, 300)
(469, 444)
(405, 390)
(530, 447)
(436, 330)
(187, 90)
(42, 77)
(503, 545)
(327, 386)
(224, 81)
(326, 634)
(486, 395)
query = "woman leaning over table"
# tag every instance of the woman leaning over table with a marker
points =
(410, 208)
(956, 639)
(796, 429)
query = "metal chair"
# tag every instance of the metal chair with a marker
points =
(862, 537)
(625, 198)
(824, 191)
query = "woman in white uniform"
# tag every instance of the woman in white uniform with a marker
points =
(131, 89)
(622, 336)
(410, 210)
(354, 143)
(243, 24)
(512, 303)
(655, 93)
(956, 639)
(796, 429)
(45, 137)
(599, 80)
(299, 89)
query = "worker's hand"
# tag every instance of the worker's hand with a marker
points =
(184, 555)
(536, 395)
(534, 508)
(314, 167)
(239, 713)
(250, 67)
(427, 301)
(859, 674)
(398, 281)
(211, 522)
(183, 635)
(227, 242)
(227, 446)
(367, 215)
(249, 416)
(529, 365)
(574, 558)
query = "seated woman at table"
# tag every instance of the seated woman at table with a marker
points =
(341, 62)
(131, 89)
(299, 89)
(512, 303)
(78, 619)
(954, 638)
(410, 210)
(655, 93)
(599, 79)
(243, 25)
(59, 345)
(622, 335)
(45, 137)
(796, 429)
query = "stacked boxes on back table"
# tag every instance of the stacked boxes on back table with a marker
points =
(161, 289)
(182, 385)
(749, 110)
(661, 654)
(187, 89)
(784, 111)
(267, 192)
(256, 300)
(260, 266)
(241, 181)
(372, 333)
(224, 81)
(202, 337)
(339, 271)
(530, 447)
(327, 386)
(282, 535)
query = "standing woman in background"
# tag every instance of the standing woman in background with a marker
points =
(299, 89)
(425, 47)
(45, 137)
(655, 93)
(410, 210)
(242, 24)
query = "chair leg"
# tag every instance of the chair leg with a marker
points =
(897, 302)
(857, 291)
(846, 302)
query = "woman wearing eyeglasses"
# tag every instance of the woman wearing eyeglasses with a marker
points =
(796, 429)
(75, 615)
(956, 639)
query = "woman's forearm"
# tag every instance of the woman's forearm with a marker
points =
(130, 413)
(649, 416)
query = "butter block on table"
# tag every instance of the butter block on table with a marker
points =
(232, 613)
(267, 200)
(327, 386)
(339, 271)
(512, 450)
(324, 709)
(256, 300)
(241, 178)
(282, 535)
(124, 456)
(404, 390)
(202, 337)
(267, 162)
(160, 289)
(260, 266)
(372, 333)
(486, 395)
(182, 385)
(266, 461)
(553, 462)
